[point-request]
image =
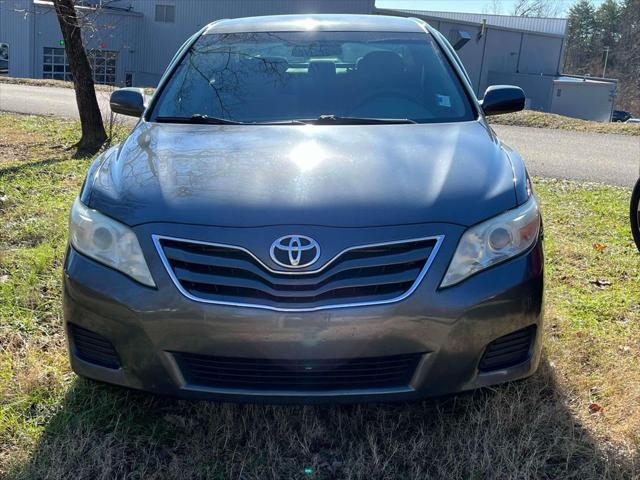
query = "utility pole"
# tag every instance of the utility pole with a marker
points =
(606, 57)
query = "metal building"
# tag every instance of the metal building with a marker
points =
(130, 42)
(523, 51)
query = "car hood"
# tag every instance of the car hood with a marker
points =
(342, 176)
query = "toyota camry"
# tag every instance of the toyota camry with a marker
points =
(310, 208)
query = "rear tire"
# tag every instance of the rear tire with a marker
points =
(633, 214)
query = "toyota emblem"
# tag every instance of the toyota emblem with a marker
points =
(295, 251)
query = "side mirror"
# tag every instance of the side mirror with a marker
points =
(499, 99)
(128, 101)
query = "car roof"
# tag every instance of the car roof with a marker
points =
(322, 22)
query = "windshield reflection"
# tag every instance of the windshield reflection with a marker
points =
(272, 77)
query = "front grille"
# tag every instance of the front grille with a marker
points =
(305, 375)
(94, 348)
(364, 275)
(509, 350)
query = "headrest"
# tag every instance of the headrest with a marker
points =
(380, 61)
(322, 69)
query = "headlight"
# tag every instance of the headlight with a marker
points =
(494, 241)
(107, 241)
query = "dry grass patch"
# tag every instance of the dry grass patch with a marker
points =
(531, 118)
(594, 310)
(40, 82)
(54, 425)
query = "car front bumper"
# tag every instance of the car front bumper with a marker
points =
(449, 329)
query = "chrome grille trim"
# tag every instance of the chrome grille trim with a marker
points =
(438, 239)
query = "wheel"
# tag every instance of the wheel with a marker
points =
(634, 213)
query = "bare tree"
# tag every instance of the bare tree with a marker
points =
(493, 7)
(93, 133)
(537, 8)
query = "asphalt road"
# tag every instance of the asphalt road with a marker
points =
(602, 158)
(44, 100)
(593, 157)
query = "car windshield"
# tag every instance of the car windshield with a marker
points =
(268, 77)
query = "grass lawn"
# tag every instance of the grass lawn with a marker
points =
(578, 417)
(531, 118)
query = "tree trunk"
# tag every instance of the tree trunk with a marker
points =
(93, 133)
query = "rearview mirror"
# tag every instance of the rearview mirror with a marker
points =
(128, 101)
(499, 99)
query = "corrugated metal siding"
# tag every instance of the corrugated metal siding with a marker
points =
(16, 30)
(159, 41)
(501, 54)
(540, 54)
(472, 53)
(586, 100)
(110, 31)
(537, 88)
(144, 46)
(552, 26)
(499, 50)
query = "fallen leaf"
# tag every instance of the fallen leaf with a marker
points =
(594, 408)
(4, 279)
(601, 282)
(599, 247)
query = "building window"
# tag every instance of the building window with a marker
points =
(55, 65)
(103, 64)
(166, 13)
(4, 59)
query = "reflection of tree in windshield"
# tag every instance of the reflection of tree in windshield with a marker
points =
(232, 74)
(266, 76)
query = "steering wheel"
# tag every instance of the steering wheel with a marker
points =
(387, 94)
(634, 213)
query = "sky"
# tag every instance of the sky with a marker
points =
(467, 6)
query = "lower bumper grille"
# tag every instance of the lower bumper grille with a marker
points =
(306, 375)
(509, 350)
(93, 348)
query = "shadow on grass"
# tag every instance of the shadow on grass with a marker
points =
(519, 430)
(23, 166)
(13, 169)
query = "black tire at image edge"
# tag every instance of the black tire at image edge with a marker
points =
(633, 213)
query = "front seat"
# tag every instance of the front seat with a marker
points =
(380, 67)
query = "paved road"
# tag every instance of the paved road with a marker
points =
(44, 100)
(611, 159)
(594, 157)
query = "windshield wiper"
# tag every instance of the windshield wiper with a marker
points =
(337, 120)
(199, 118)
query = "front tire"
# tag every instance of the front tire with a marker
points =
(634, 213)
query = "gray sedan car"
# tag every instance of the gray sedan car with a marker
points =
(311, 208)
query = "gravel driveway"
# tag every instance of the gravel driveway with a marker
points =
(595, 157)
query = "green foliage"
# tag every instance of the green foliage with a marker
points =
(581, 35)
(608, 33)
